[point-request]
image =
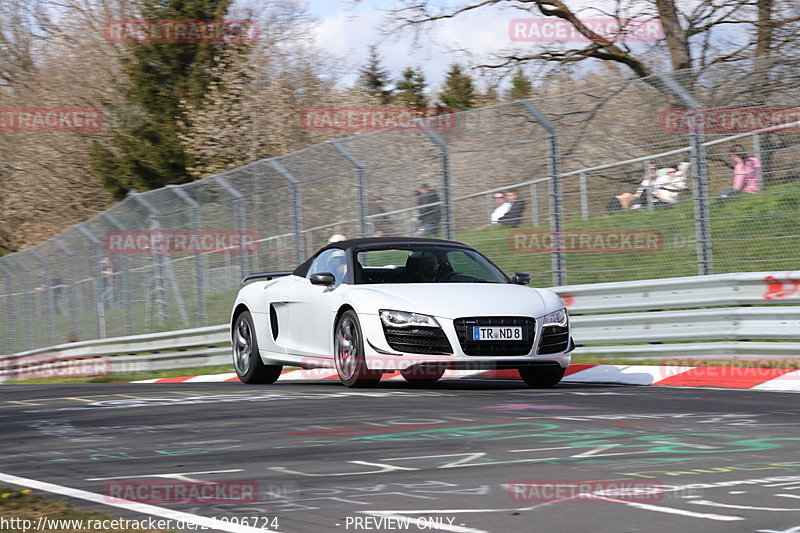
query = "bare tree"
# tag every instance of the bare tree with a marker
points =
(696, 34)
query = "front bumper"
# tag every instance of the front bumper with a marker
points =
(381, 356)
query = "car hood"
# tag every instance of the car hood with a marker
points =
(453, 300)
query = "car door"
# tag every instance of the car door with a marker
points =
(311, 307)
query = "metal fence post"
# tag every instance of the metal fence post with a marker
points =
(584, 196)
(199, 259)
(444, 155)
(239, 217)
(73, 273)
(96, 283)
(757, 155)
(47, 286)
(10, 343)
(161, 261)
(554, 167)
(534, 204)
(126, 285)
(26, 295)
(699, 175)
(297, 206)
(360, 184)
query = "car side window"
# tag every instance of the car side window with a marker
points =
(332, 261)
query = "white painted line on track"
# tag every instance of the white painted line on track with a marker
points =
(638, 505)
(746, 507)
(144, 508)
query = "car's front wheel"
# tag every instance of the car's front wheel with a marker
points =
(348, 355)
(541, 377)
(246, 359)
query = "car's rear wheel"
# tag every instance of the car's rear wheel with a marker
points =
(348, 353)
(246, 359)
(423, 374)
(541, 377)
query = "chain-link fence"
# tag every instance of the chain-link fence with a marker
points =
(574, 162)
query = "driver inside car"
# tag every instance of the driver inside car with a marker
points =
(421, 267)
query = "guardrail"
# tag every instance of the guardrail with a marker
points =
(135, 353)
(724, 315)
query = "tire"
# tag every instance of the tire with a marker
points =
(424, 374)
(348, 353)
(246, 359)
(541, 377)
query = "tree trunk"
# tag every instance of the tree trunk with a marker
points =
(676, 36)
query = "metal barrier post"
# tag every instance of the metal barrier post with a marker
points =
(297, 215)
(47, 286)
(444, 155)
(554, 167)
(757, 155)
(26, 287)
(161, 261)
(199, 259)
(360, 185)
(584, 196)
(126, 285)
(239, 218)
(534, 204)
(699, 175)
(73, 273)
(10, 344)
(97, 283)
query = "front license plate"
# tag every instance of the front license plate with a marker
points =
(497, 333)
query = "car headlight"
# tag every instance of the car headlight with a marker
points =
(556, 318)
(403, 319)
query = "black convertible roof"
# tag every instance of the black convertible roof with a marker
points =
(366, 242)
(369, 241)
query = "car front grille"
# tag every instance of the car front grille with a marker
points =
(495, 348)
(430, 341)
(555, 339)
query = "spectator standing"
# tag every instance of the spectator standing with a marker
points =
(107, 276)
(513, 217)
(381, 224)
(745, 174)
(430, 216)
(501, 207)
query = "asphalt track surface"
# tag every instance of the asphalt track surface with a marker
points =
(454, 456)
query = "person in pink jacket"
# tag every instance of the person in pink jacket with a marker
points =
(746, 175)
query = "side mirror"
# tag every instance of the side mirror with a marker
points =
(323, 278)
(521, 278)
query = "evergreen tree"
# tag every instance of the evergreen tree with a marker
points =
(521, 86)
(374, 78)
(410, 91)
(459, 91)
(146, 153)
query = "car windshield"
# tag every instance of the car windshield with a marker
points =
(425, 264)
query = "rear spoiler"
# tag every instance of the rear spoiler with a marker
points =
(267, 275)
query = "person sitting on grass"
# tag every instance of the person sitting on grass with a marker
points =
(746, 179)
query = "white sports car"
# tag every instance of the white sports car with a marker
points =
(381, 305)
